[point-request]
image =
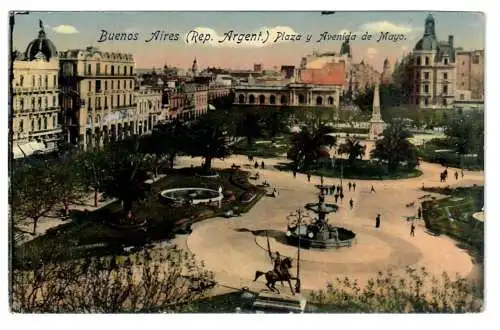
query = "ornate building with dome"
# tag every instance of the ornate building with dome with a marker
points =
(433, 70)
(37, 124)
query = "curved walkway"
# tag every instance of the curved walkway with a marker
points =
(235, 248)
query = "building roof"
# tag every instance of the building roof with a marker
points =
(41, 47)
(329, 74)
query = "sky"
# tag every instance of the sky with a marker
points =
(72, 30)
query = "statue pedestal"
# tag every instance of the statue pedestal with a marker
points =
(279, 303)
(376, 128)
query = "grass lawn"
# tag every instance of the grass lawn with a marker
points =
(442, 151)
(90, 233)
(264, 148)
(362, 170)
(453, 216)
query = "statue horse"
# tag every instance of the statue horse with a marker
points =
(282, 274)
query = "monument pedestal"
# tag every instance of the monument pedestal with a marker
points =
(376, 128)
(268, 302)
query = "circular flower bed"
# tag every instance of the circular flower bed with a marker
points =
(193, 195)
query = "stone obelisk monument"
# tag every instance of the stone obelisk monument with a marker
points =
(376, 122)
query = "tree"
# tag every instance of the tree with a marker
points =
(307, 145)
(250, 127)
(69, 184)
(466, 132)
(414, 292)
(353, 148)
(394, 147)
(164, 280)
(126, 175)
(276, 121)
(207, 138)
(32, 191)
(94, 165)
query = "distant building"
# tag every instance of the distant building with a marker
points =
(434, 68)
(257, 67)
(363, 76)
(470, 73)
(149, 110)
(37, 124)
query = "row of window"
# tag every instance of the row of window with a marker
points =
(37, 103)
(427, 101)
(427, 75)
(37, 80)
(444, 89)
(120, 100)
(283, 99)
(130, 125)
(427, 60)
(39, 126)
(119, 70)
(144, 106)
(98, 85)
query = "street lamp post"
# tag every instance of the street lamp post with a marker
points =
(299, 222)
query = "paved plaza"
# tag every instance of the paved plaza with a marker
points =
(235, 248)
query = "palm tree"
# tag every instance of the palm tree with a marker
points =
(394, 147)
(307, 145)
(353, 148)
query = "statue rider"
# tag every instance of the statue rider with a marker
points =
(277, 264)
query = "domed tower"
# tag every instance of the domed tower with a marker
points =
(385, 78)
(41, 47)
(429, 41)
(194, 68)
(345, 49)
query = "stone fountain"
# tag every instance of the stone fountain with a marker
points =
(317, 232)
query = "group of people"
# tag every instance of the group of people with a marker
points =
(444, 175)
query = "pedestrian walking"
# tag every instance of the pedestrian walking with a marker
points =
(354, 186)
(338, 189)
(336, 198)
(341, 196)
(372, 190)
(377, 221)
(262, 165)
(256, 165)
(309, 176)
(321, 179)
(349, 185)
(294, 174)
(456, 175)
(419, 213)
(412, 229)
(351, 203)
(462, 173)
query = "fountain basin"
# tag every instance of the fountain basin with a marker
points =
(310, 237)
(324, 208)
(193, 195)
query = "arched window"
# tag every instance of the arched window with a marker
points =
(283, 99)
(112, 70)
(131, 70)
(272, 99)
(89, 69)
(319, 100)
(251, 99)
(21, 80)
(21, 125)
(330, 100)
(262, 99)
(302, 99)
(241, 98)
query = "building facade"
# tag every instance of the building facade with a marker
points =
(386, 76)
(433, 70)
(150, 110)
(98, 96)
(36, 111)
(293, 94)
(363, 76)
(470, 73)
